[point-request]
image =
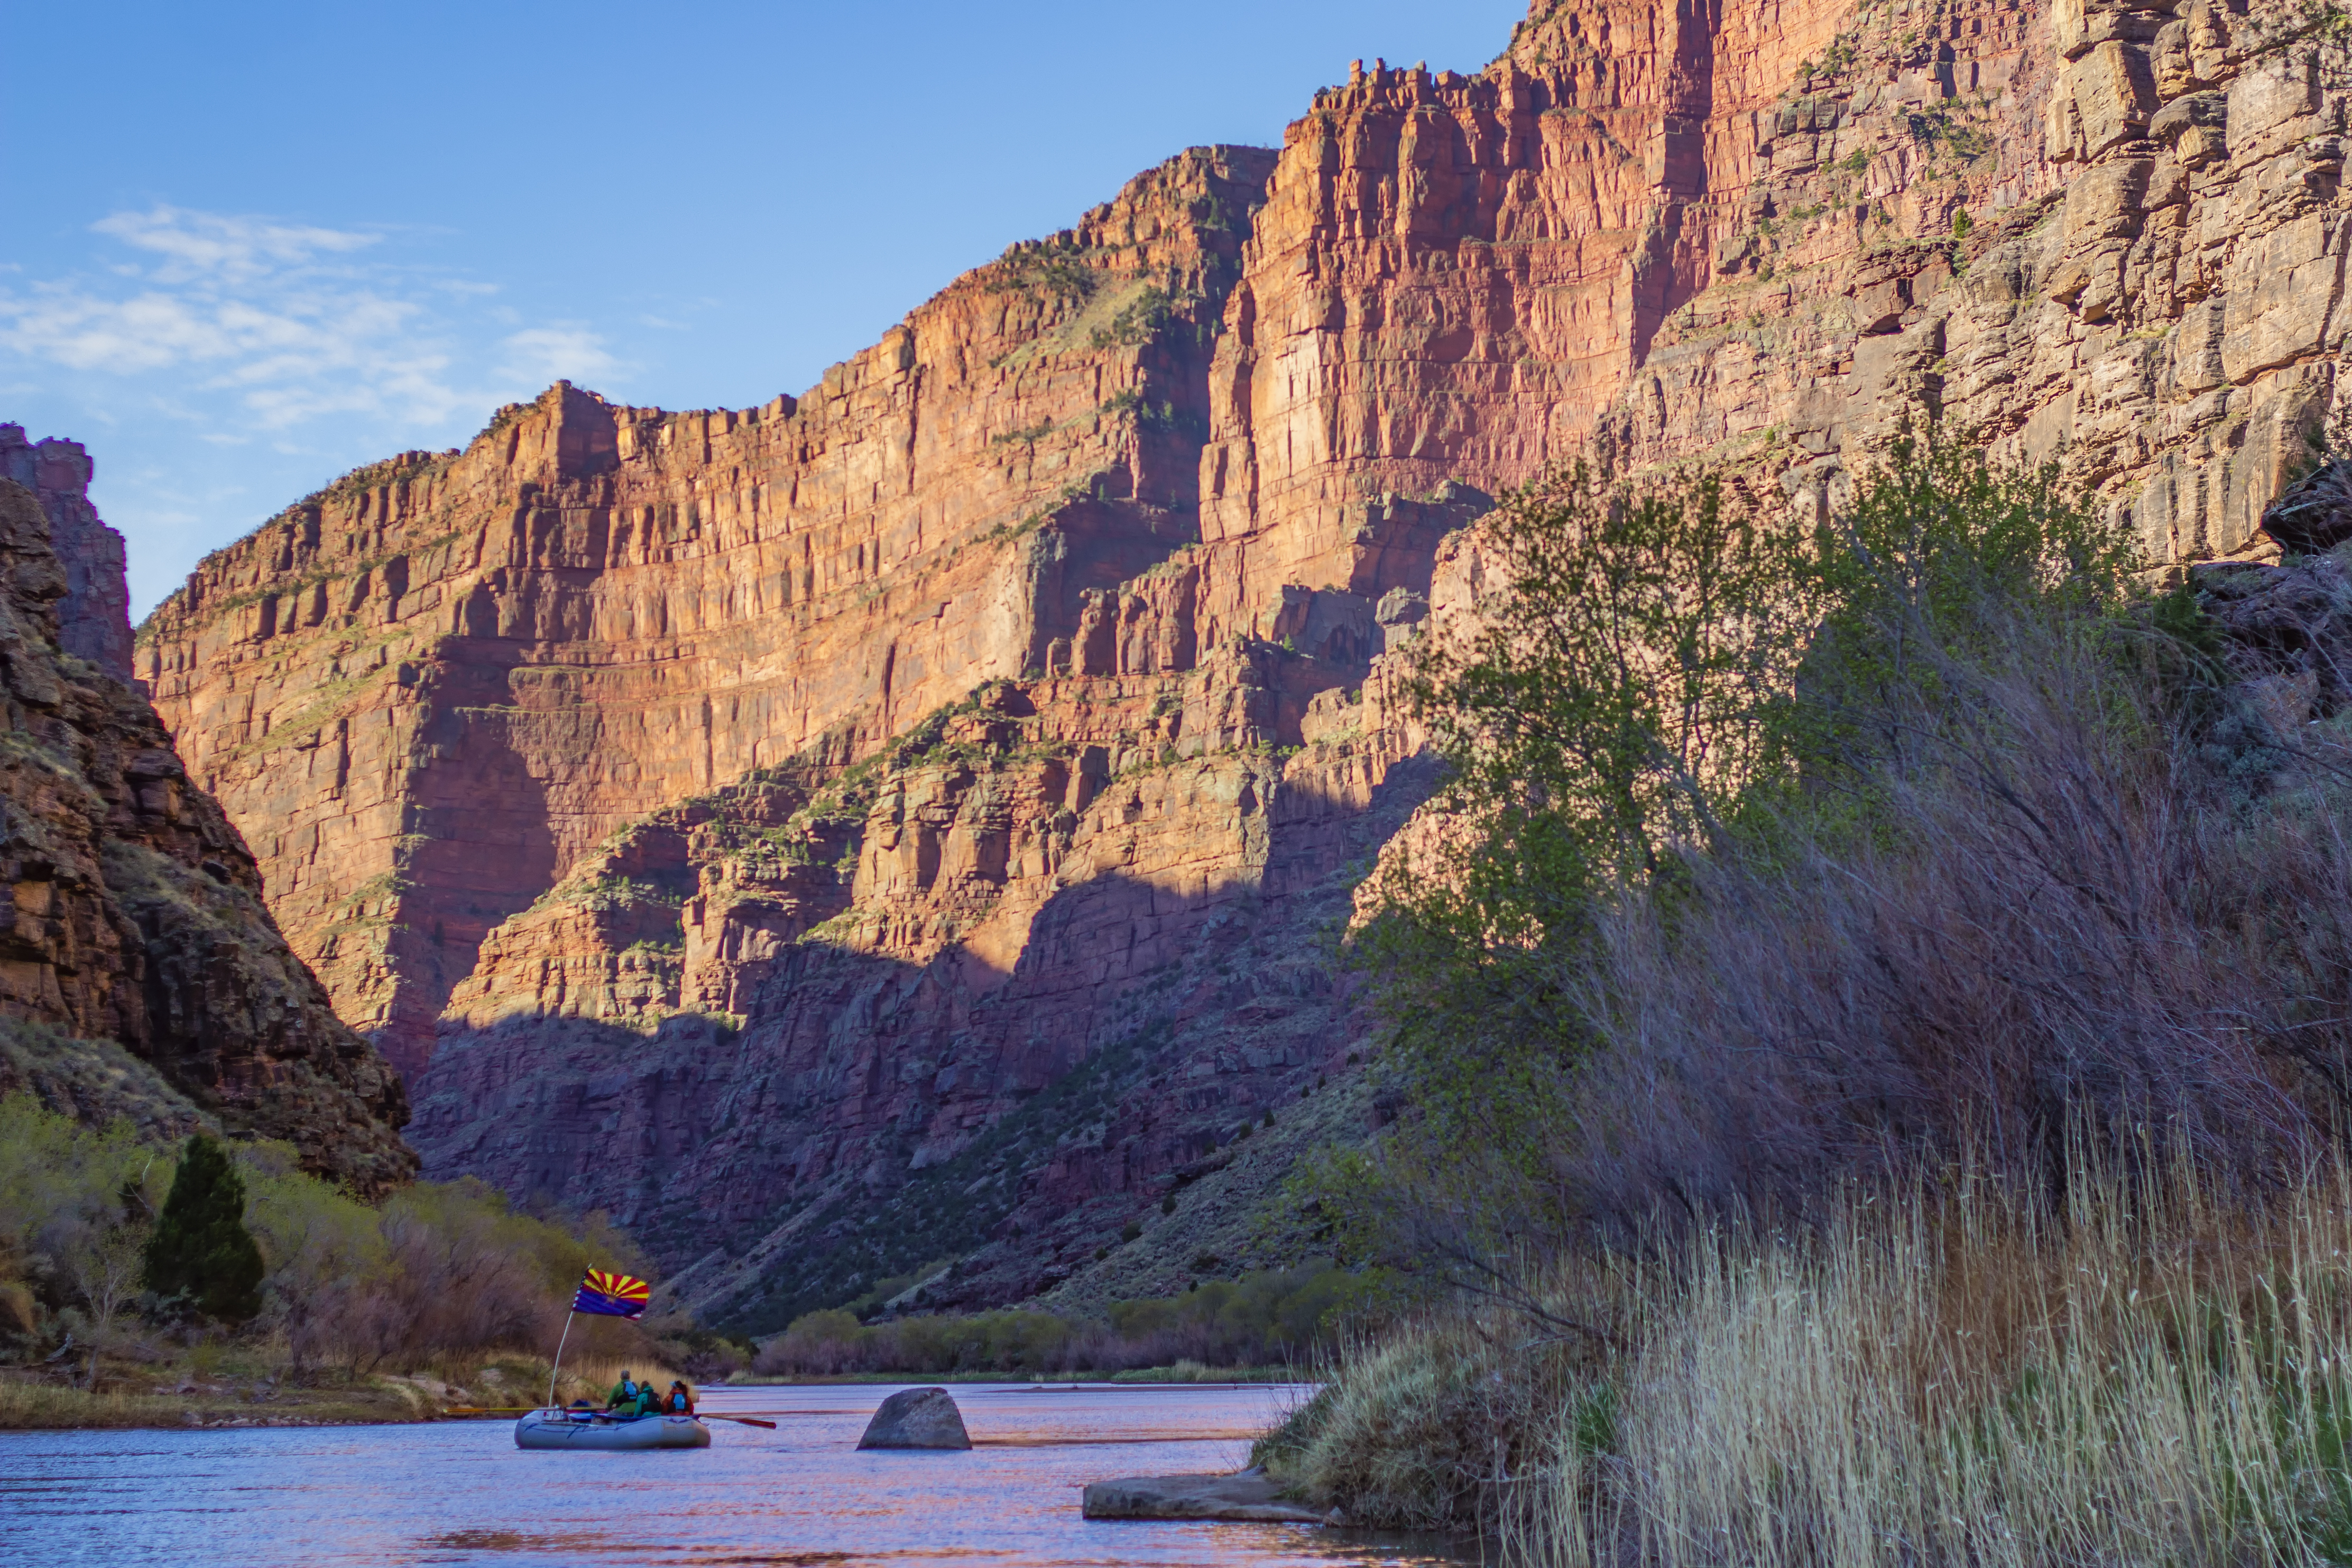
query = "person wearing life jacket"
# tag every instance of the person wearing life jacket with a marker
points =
(680, 1400)
(624, 1393)
(649, 1399)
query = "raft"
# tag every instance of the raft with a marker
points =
(555, 1428)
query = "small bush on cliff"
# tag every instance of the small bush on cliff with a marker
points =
(201, 1253)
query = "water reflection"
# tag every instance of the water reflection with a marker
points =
(461, 1493)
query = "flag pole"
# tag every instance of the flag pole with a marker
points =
(559, 1357)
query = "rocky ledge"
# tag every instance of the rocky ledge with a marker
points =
(1245, 1497)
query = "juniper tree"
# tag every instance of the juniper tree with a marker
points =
(201, 1253)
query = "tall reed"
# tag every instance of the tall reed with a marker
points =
(2150, 1370)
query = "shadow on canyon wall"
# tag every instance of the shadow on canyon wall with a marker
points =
(873, 1114)
(476, 840)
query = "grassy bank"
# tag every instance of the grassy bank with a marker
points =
(254, 1384)
(2141, 1372)
(26, 1406)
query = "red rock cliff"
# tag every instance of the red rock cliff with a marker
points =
(139, 974)
(884, 803)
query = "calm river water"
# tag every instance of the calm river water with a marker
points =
(461, 1492)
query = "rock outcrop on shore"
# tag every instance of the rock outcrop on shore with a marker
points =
(141, 974)
(904, 825)
(1246, 1497)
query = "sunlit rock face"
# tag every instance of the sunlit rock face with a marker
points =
(756, 822)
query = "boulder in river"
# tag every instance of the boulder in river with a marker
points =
(917, 1418)
(1247, 1496)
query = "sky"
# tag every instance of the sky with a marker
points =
(246, 247)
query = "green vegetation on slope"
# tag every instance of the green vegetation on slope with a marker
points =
(133, 1268)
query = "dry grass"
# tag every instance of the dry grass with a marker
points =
(29, 1406)
(1964, 1375)
(256, 1384)
(35, 1404)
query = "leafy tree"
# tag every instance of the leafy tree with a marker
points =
(1670, 674)
(201, 1252)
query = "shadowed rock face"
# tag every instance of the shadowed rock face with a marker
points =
(889, 824)
(94, 614)
(139, 974)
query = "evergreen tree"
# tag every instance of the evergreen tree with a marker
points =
(201, 1251)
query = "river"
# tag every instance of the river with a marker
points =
(461, 1492)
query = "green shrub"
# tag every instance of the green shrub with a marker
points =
(201, 1253)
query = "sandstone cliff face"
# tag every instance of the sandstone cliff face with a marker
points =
(882, 826)
(139, 974)
(430, 688)
(1760, 236)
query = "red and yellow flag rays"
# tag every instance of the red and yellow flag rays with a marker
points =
(620, 1287)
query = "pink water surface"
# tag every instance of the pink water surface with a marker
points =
(462, 1493)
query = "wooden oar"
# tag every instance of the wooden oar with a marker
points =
(527, 1410)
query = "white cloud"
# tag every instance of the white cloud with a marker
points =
(200, 245)
(254, 326)
(541, 354)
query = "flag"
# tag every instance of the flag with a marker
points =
(612, 1295)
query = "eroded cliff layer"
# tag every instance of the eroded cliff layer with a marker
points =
(906, 807)
(139, 973)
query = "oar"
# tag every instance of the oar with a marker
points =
(746, 1420)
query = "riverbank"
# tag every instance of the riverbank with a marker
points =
(32, 1407)
(1180, 1374)
(251, 1387)
(2150, 1367)
(253, 1394)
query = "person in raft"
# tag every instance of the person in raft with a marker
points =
(680, 1400)
(649, 1399)
(626, 1395)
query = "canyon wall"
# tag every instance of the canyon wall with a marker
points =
(908, 824)
(139, 974)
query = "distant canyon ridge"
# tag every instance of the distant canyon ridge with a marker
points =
(909, 829)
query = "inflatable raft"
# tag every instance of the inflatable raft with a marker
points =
(588, 1429)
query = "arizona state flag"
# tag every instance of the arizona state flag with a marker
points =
(612, 1295)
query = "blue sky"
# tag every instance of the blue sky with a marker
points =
(246, 248)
